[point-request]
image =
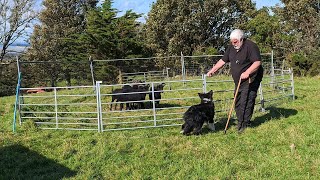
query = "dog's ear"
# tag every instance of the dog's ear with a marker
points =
(210, 92)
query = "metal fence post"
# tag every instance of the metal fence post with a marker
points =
(21, 101)
(56, 106)
(19, 93)
(272, 70)
(92, 73)
(167, 70)
(16, 104)
(292, 83)
(282, 79)
(153, 105)
(144, 77)
(262, 109)
(183, 69)
(99, 109)
(204, 83)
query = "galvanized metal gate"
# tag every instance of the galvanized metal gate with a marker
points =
(88, 107)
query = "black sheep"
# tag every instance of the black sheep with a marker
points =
(158, 89)
(128, 93)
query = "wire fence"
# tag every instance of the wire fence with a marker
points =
(134, 100)
(161, 68)
(93, 108)
(55, 73)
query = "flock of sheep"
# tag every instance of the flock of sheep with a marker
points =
(135, 95)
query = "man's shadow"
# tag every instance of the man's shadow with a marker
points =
(272, 113)
(19, 162)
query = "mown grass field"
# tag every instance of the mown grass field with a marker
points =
(283, 143)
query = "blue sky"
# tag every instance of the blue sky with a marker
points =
(144, 6)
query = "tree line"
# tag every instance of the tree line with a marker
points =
(68, 32)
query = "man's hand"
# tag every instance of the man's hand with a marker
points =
(245, 75)
(210, 73)
(253, 68)
(216, 67)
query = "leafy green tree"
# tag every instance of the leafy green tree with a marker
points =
(300, 28)
(100, 34)
(127, 29)
(315, 68)
(263, 29)
(8, 80)
(175, 26)
(110, 37)
(50, 41)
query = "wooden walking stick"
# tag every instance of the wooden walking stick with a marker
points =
(233, 103)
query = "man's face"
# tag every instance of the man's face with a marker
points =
(236, 43)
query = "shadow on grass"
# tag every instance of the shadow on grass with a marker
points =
(273, 113)
(219, 126)
(19, 162)
(222, 124)
(146, 106)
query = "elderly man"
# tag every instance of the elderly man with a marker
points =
(245, 59)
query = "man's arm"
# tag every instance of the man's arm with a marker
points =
(216, 67)
(253, 68)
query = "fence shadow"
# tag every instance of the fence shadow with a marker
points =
(19, 162)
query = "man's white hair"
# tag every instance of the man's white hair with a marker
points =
(237, 34)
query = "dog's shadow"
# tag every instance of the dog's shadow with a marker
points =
(219, 125)
(273, 113)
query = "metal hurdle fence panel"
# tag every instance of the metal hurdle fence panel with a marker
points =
(73, 108)
(89, 107)
(177, 99)
(168, 112)
(278, 86)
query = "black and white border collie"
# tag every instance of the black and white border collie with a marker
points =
(196, 115)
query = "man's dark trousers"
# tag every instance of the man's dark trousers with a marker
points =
(245, 103)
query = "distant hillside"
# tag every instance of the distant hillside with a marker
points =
(16, 49)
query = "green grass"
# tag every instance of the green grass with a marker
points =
(261, 152)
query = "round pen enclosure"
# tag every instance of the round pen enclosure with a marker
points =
(143, 93)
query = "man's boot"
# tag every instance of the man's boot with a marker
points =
(243, 127)
(239, 125)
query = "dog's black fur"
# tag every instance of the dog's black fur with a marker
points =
(196, 115)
